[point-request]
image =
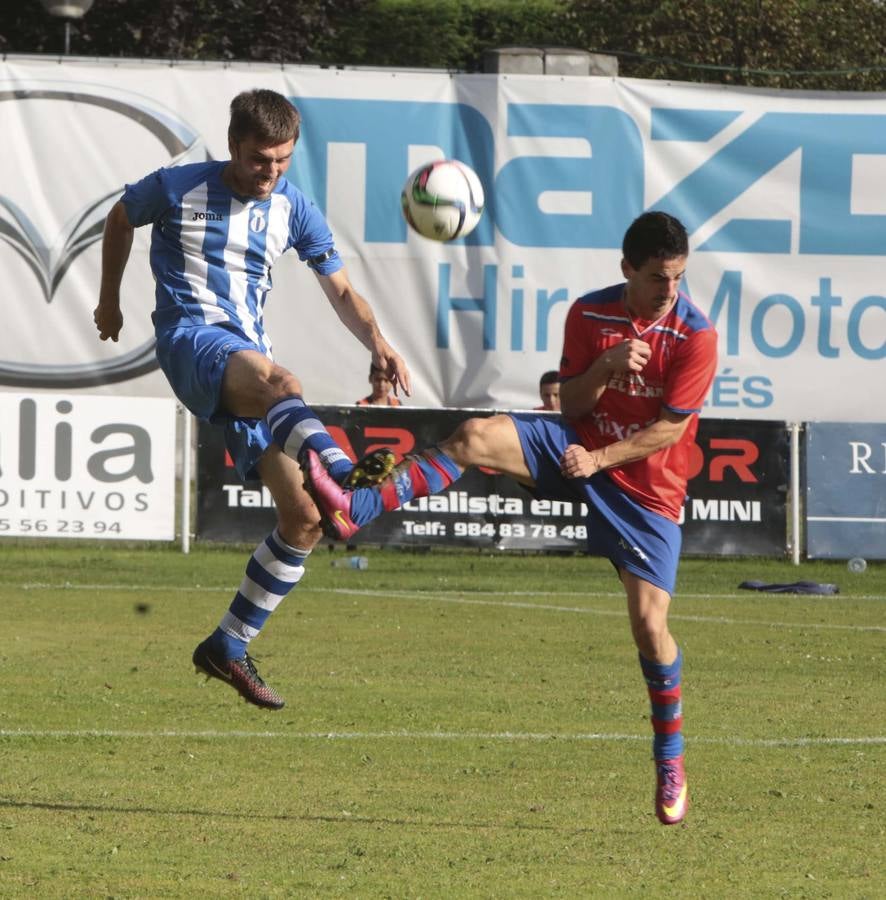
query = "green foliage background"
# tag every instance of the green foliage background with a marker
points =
(811, 44)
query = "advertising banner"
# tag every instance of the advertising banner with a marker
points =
(781, 194)
(80, 466)
(736, 504)
(845, 490)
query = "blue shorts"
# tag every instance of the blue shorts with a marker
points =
(193, 358)
(619, 528)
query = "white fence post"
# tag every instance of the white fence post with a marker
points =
(795, 492)
(186, 480)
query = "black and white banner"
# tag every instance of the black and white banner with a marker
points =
(736, 503)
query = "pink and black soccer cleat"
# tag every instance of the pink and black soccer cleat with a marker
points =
(331, 498)
(241, 674)
(671, 795)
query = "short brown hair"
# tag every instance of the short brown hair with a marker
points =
(265, 115)
(654, 235)
(552, 377)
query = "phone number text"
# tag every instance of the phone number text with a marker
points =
(498, 531)
(58, 526)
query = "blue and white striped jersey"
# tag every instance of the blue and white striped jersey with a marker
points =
(212, 251)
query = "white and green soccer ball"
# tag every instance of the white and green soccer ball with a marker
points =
(443, 200)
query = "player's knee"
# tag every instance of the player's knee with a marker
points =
(299, 532)
(472, 432)
(282, 383)
(470, 442)
(650, 634)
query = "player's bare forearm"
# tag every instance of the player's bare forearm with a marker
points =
(359, 319)
(579, 462)
(357, 316)
(116, 245)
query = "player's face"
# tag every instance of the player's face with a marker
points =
(652, 289)
(256, 168)
(550, 396)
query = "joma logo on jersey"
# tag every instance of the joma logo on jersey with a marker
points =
(207, 217)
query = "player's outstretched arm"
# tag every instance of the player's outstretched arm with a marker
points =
(579, 462)
(116, 244)
(357, 316)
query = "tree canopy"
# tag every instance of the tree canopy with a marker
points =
(813, 44)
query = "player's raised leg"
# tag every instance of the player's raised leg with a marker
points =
(255, 387)
(661, 663)
(490, 442)
(273, 570)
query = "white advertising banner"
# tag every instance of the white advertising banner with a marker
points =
(73, 465)
(782, 194)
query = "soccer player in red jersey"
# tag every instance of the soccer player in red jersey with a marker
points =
(638, 360)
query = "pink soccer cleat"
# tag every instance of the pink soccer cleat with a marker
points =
(332, 499)
(671, 796)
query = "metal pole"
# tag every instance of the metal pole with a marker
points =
(67, 37)
(795, 492)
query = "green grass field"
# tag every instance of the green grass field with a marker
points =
(458, 725)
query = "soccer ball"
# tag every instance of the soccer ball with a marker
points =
(443, 200)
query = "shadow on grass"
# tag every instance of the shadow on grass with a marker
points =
(9, 803)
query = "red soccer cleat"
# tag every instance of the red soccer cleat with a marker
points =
(671, 796)
(331, 498)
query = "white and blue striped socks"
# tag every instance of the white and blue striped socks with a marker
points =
(273, 571)
(296, 428)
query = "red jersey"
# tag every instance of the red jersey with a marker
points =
(677, 377)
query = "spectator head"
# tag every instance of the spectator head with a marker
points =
(381, 384)
(549, 390)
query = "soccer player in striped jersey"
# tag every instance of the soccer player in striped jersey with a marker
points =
(218, 228)
(638, 360)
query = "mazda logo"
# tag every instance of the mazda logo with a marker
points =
(49, 257)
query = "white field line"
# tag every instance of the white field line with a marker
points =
(502, 736)
(418, 592)
(583, 610)
(457, 598)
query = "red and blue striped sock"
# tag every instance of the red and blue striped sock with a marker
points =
(418, 475)
(663, 682)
